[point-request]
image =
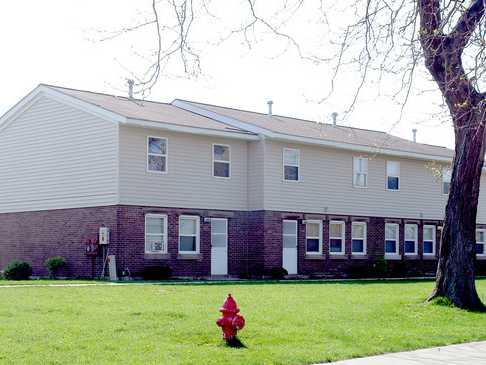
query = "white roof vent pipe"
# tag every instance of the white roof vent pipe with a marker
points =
(334, 118)
(270, 104)
(414, 133)
(130, 88)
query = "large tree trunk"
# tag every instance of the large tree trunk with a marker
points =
(455, 271)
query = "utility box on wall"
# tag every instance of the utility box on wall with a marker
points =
(104, 237)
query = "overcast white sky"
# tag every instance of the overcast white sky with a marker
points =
(55, 42)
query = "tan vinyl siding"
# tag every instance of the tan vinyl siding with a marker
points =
(189, 182)
(256, 173)
(54, 156)
(326, 185)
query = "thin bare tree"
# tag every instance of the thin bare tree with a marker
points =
(378, 38)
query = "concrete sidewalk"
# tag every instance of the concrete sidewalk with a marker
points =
(473, 353)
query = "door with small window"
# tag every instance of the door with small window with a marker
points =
(219, 246)
(289, 251)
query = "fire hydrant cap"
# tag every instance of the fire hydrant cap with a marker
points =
(229, 305)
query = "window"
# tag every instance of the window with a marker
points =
(313, 237)
(219, 232)
(157, 154)
(480, 242)
(429, 240)
(446, 180)
(188, 234)
(156, 233)
(392, 175)
(411, 239)
(221, 161)
(289, 231)
(360, 172)
(391, 238)
(336, 237)
(358, 238)
(291, 162)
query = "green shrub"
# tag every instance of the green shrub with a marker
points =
(162, 272)
(278, 273)
(17, 270)
(54, 264)
(379, 268)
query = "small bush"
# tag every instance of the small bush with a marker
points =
(54, 264)
(162, 272)
(18, 270)
(278, 273)
(379, 268)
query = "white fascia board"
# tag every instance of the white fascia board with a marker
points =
(58, 96)
(221, 118)
(191, 130)
(359, 148)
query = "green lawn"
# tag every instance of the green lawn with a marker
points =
(175, 324)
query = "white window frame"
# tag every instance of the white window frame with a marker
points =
(220, 234)
(483, 243)
(157, 216)
(365, 232)
(197, 235)
(166, 155)
(222, 161)
(389, 175)
(313, 221)
(342, 238)
(446, 171)
(397, 239)
(415, 240)
(355, 172)
(293, 235)
(292, 165)
(434, 238)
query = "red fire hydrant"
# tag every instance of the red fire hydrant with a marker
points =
(230, 321)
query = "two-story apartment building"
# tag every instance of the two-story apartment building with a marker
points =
(209, 190)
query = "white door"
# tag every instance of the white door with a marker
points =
(289, 240)
(219, 246)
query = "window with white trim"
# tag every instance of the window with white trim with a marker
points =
(289, 233)
(411, 239)
(221, 160)
(313, 237)
(480, 242)
(391, 238)
(446, 180)
(156, 233)
(429, 240)
(188, 234)
(360, 172)
(336, 237)
(393, 175)
(156, 154)
(358, 238)
(291, 164)
(219, 232)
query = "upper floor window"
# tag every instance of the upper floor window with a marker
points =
(360, 172)
(411, 239)
(291, 164)
(188, 234)
(336, 237)
(221, 161)
(156, 233)
(446, 180)
(392, 175)
(480, 242)
(429, 240)
(358, 238)
(157, 154)
(313, 237)
(391, 238)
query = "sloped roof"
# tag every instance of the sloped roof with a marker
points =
(324, 131)
(146, 110)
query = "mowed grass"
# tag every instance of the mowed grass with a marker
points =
(296, 323)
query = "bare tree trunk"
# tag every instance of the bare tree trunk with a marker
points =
(455, 272)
